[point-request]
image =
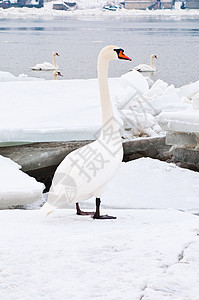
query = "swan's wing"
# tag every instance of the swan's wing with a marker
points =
(56, 195)
(82, 174)
(49, 66)
(68, 178)
(143, 68)
(44, 66)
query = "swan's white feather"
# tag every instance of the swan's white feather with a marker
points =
(144, 68)
(87, 176)
(44, 66)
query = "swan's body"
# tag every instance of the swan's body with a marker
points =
(147, 68)
(46, 66)
(86, 171)
(56, 73)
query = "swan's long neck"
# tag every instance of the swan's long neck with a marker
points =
(54, 77)
(108, 119)
(54, 61)
(152, 65)
(106, 105)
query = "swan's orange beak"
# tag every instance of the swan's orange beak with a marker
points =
(57, 54)
(121, 55)
(59, 73)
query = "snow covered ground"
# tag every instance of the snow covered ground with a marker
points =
(143, 254)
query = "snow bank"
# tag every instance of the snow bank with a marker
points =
(150, 183)
(17, 188)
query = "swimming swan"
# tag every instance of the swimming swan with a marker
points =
(46, 66)
(147, 68)
(86, 171)
(56, 73)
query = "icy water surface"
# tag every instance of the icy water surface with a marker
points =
(78, 40)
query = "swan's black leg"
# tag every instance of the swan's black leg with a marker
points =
(97, 213)
(83, 213)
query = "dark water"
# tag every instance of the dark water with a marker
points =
(78, 40)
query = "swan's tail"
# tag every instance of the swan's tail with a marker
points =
(47, 209)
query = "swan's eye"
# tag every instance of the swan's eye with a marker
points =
(57, 54)
(121, 55)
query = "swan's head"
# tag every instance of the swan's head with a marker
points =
(113, 52)
(154, 56)
(55, 53)
(56, 73)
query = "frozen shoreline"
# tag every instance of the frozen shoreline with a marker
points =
(85, 11)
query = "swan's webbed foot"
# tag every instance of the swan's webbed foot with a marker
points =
(103, 217)
(97, 213)
(83, 213)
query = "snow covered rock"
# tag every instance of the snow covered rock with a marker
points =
(135, 80)
(17, 188)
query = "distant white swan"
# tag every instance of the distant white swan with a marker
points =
(86, 171)
(147, 68)
(56, 73)
(46, 66)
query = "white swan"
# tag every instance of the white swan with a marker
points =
(46, 66)
(147, 68)
(56, 73)
(86, 171)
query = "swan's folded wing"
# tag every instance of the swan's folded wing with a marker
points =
(60, 188)
(143, 68)
(48, 65)
(36, 67)
(44, 66)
